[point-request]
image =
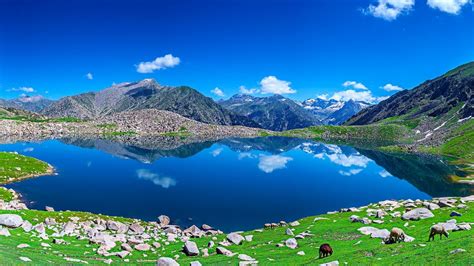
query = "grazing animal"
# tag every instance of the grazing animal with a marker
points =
(437, 229)
(325, 250)
(397, 235)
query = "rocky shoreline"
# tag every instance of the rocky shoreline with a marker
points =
(115, 239)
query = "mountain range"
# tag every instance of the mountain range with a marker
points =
(433, 98)
(27, 103)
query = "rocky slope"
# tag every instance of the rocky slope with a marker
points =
(433, 98)
(148, 122)
(275, 112)
(145, 94)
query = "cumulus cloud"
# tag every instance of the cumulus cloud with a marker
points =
(448, 6)
(391, 87)
(364, 96)
(23, 89)
(355, 85)
(350, 172)
(270, 163)
(273, 85)
(89, 76)
(167, 61)
(164, 182)
(389, 9)
(244, 90)
(216, 152)
(349, 161)
(218, 92)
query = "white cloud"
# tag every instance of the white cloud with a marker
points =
(163, 62)
(270, 163)
(384, 173)
(272, 84)
(348, 161)
(350, 172)
(390, 9)
(355, 85)
(23, 89)
(30, 149)
(448, 6)
(89, 76)
(324, 97)
(243, 90)
(216, 152)
(30, 99)
(218, 92)
(391, 87)
(365, 96)
(164, 182)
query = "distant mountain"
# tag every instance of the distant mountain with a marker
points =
(333, 112)
(433, 98)
(275, 112)
(27, 103)
(145, 94)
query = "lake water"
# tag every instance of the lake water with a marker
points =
(232, 184)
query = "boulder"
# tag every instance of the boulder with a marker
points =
(332, 263)
(4, 231)
(224, 251)
(164, 261)
(195, 263)
(49, 209)
(245, 257)
(193, 231)
(190, 248)
(164, 220)
(142, 247)
(235, 238)
(417, 214)
(289, 232)
(291, 243)
(11, 220)
(136, 228)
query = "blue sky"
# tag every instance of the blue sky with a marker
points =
(293, 47)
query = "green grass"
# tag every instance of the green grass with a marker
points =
(5, 194)
(119, 133)
(14, 167)
(389, 132)
(348, 244)
(182, 133)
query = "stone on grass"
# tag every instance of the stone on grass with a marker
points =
(301, 253)
(289, 232)
(458, 250)
(49, 209)
(291, 243)
(453, 213)
(11, 220)
(142, 247)
(417, 214)
(235, 238)
(245, 257)
(4, 231)
(25, 259)
(224, 251)
(165, 261)
(23, 246)
(195, 263)
(248, 238)
(295, 223)
(190, 248)
(136, 228)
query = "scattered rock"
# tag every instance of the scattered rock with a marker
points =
(295, 223)
(301, 253)
(25, 259)
(49, 209)
(458, 250)
(417, 214)
(142, 247)
(190, 248)
(454, 213)
(195, 263)
(235, 238)
(332, 263)
(4, 231)
(23, 246)
(224, 251)
(245, 257)
(164, 261)
(291, 243)
(164, 220)
(289, 232)
(11, 220)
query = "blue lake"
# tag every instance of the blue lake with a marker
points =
(232, 184)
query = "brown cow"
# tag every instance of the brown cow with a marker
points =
(325, 250)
